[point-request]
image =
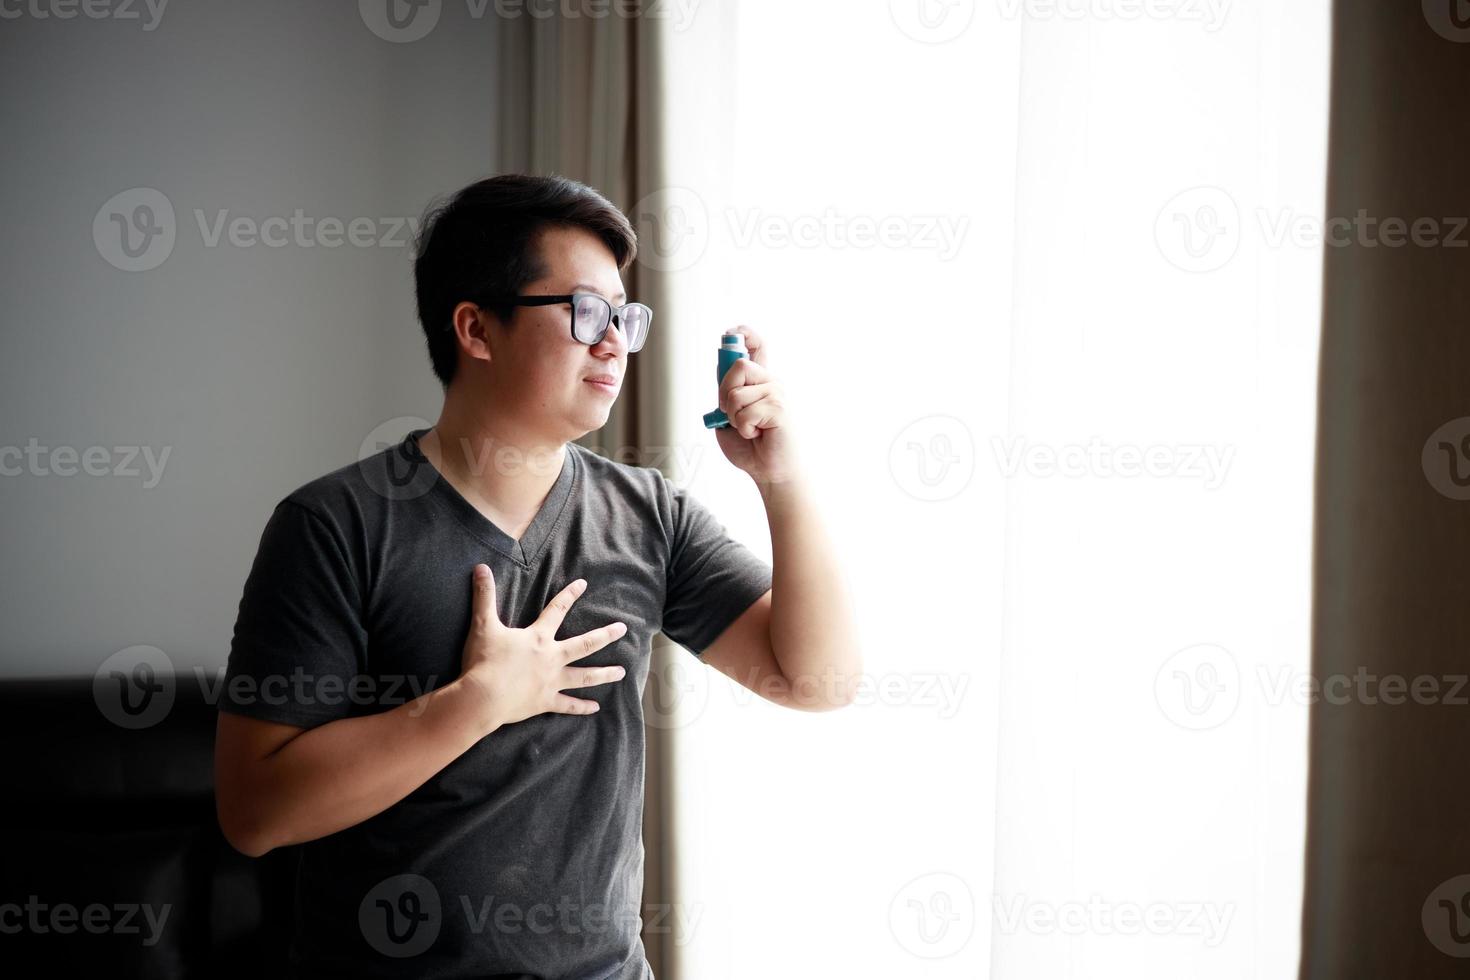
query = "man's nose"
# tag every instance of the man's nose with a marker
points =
(614, 341)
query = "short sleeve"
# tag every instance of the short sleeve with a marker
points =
(299, 639)
(712, 578)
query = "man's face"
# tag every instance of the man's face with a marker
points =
(538, 371)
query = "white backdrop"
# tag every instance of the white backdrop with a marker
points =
(1033, 530)
(1153, 728)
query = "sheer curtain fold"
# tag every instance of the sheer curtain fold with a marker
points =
(1152, 751)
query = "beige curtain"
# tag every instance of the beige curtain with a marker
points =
(580, 97)
(1388, 835)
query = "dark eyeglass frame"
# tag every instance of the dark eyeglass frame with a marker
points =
(614, 314)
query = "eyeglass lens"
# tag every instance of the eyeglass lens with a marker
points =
(591, 314)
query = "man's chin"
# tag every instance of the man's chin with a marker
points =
(589, 422)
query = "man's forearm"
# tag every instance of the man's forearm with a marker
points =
(813, 637)
(339, 774)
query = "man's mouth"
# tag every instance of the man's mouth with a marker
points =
(603, 382)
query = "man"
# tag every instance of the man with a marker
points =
(491, 827)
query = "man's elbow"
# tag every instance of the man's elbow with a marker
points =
(242, 833)
(827, 691)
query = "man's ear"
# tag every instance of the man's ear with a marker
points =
(472, 330)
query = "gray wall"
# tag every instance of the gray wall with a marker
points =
(254, 367)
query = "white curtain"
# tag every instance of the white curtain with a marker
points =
(1153, 692)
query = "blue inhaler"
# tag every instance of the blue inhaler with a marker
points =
(732, 349)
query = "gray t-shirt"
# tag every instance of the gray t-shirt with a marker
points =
(523, 857)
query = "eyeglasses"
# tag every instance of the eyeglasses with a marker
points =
(591, 315)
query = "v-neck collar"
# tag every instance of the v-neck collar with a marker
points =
(529, 547)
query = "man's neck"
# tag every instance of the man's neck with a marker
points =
(506, 474)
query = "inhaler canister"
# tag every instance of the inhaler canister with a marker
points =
(732, 349)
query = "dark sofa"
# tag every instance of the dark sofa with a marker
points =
(115, 864)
